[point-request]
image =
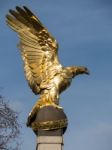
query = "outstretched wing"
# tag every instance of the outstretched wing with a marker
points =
(38, 47)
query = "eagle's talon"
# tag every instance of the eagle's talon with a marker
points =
(57, 106)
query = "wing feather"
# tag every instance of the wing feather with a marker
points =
(38, 48)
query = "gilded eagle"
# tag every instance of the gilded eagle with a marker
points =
(39, 50)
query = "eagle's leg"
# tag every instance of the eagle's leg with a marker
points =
(54, 97)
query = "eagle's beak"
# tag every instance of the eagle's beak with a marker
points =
(87, 72)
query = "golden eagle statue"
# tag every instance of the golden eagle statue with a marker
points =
(39, 50)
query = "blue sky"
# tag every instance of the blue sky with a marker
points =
(83, 29)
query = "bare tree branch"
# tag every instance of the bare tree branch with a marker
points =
(9, 127)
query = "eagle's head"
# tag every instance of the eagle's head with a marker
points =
(75, 70)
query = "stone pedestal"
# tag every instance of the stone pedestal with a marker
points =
(49, 126)
(49, 143)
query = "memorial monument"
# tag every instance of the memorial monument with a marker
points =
(46, 76)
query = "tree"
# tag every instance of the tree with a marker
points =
(9, 127)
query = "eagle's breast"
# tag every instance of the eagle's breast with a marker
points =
(61, 82)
